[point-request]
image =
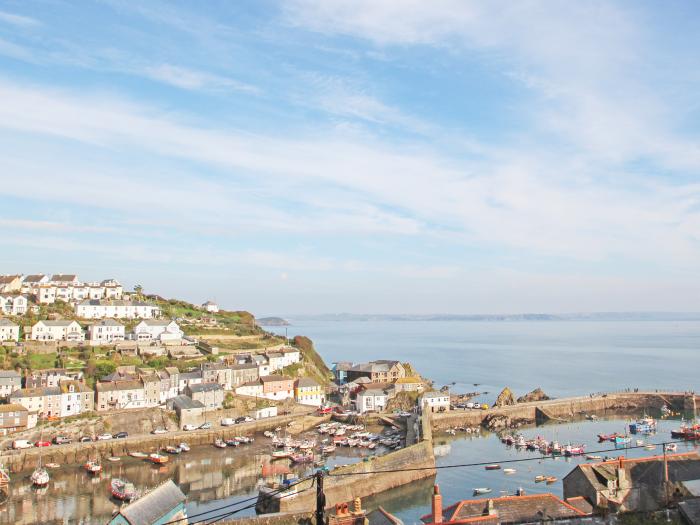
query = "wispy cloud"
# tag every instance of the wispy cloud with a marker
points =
(195, 80)
(18, 20)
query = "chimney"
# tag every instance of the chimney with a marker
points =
(491, 508)
(437, 505)
(357, 507)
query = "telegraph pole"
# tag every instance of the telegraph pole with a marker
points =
(320, 499)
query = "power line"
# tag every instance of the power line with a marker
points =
(484, 463)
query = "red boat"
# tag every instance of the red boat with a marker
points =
(689, 433)
(122, 490)
(607, 437)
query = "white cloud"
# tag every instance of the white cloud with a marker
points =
(195, 80)
(18, 20)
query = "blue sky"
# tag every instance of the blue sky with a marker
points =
(357, 156)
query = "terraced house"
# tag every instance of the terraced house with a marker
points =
(382, 371)
(309, 392)
(63, 330)
(9, 331)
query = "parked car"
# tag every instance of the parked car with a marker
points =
(61, 440)
(476, 405)
(85, 439)
(470, 405)
(240, 419)
(121, 435)
(186, 427)
(104, 437)
(159, 430)
(42, 444)
(227, 422)
(21, 443)
(205, 426)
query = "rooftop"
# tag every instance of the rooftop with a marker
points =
(109, 386)
(7, 322)
(186, 402)
(152, 506)
(12, 407)
(205, 387)
(273, 378)
(36, 392)
(307, 382)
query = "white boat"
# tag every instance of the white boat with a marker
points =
(93, 467)
(481, 490)
(220, 443)
(670, 447)
(281, 454)
(509, 471)
(40, 477)
(139, 455)
(184, 447)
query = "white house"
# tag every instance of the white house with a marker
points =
(10, 283)
(435, 401)
(31, 282)
(76, 398)
(13, 304)
(251, 388)
(276, 360)
(120, 395)
(107, 331)
(63, 330)
(158, 330)
(103, 308)
(308, 392)
(210, 306)
(8, 331)
(262, 413)
(371, 400)
(10, 381)
(290, 356)
(45, 294)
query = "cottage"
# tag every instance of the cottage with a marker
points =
(162, 330)
(211, 395)
(277, 387)
(409, 384)
(76, 398)
(151, 387)
(105, 332)
(371, 400)
(10, 283)
(381, 371)
(309, 392)
(290, 355)
(187, 409)
(9, 331)
(243, 373)
(210, 306)
(120, 309)
(116, 395)
(51, 377)
(435, 402)
(13, 418)
(31, 282)
(218, 373)
(252, 389)
(533, 508)
(10, 380)
(64, 279)
(62, 330)
(164, 504)
(45, 294)
(276, 360)
(44, 401)
(189, 378)
(14, 304)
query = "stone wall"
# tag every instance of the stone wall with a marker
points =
(299, 518)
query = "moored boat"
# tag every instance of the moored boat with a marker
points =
(540, 479)
(509, 471)
(219, 443)
(493, 466)
(40, 477)
(170, 449)
(122, 490)
(550, 480)
(670, 447)
(622, 440)
(93, 467)
(303, 458)
(577, 450)
(184, 447)
(157, 459)
(645, 425)
(481, 490)
(139, 455)
(282, 454)
(593, 457)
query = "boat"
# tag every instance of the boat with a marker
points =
(122, 490)
(520, 442)
(328, 449)
(493, 466)
(184, 447)
(556, 448)
(509, 471)
(622, 440)
(170, 449)
(52, 465)
(93, 467)
(550, 480)
(281, 454)
(481, 490)
(639, 442)
(40, 477)
(686, 432)
(577, 450)
(158, 459)
(219, 443)
(670, 447)
(139, 455)
(302, 458)
(593, 457)
(591, 417)
(607, 437)
(232, 442)
(540, 479)
(645, 425)
(649, 446)
(114, 459)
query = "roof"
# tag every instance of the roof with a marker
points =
(156, 322)
(63, 277)
(109, 386)
(372, 392)
(9, 373)
(408, 380)
(435, 394)
(172, 370)
(361, 380)
(205, 387)
(12, 407)
(251, 383)
(7, 279)
(77, 386)
(60, 322)
(6, 322)
(107, 322)
(509, 509)
(114, 302)
(209, 303)
(191, 375)
(307, 382)
(34, 278)
(272, 378)
(383, 365)
(380, 516)
(186, 402)
(243, 366)
(36, 392)
(153, 505)
(276, 355)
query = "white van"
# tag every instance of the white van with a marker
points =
(22, 443)
(227, 422)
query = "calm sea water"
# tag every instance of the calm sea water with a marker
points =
(564, 358)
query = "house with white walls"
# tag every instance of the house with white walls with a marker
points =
(9, 331)
(14, 304)
(161, 330)
(119, 309)
(106, 331)
(63, 330)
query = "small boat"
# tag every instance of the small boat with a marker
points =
(281, 454)
(170, 449)
(328, 449)
(645, 425)
(93, 467)
(220, 443)
(670, 447)
(114, 459)
(540, 479)
(184, 447)
(232, 442)
(574, 450)
(302, 458)
(158, 459)
(481, 490)
(493, 466)
(607, 437)
(593, 457)
(649, 446)
(40, 477)
(550, 480)
(509, 471)
(52, 465)
(622, 440)
(591, 417)
(122, 490)
(139, 455)
(639, 442)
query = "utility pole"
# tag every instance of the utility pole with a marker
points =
(320, 499)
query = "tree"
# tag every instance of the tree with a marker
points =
(104, 368)
(138, 290)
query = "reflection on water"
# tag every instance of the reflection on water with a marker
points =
(208, 476)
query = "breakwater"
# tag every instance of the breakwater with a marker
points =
(76, 453)
(565, 409)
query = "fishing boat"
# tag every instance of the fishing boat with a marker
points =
(302, 458)
(40, 477)
(555, 448)
(481, 490)
(184, 447)
(645, 425)
(649, 446)
(686, 432)
(158, 459)
(328, 449)
(540, 479)
(114, 459)
(607, 437)
(282, 454)
(52, 465)
(593, 457)
(577, 450)
(122, 490)
(170, 449)
(493, 466)
(232, 442)
(520, 442)
(139, 455)
(639, 442)
(622, 440)
(509, 471)
(93, 467)
(219, 443)
(550, 480)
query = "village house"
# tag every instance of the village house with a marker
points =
(14, 418)
(634, 484)
(187, 409)
(119, 309)
(409, 384)
(44, 401)
(243, 373)
(183, 352)
(51, 377)
(189, 378)
(9, 331)
(251, 388)
(31, 282)
(307, 391)
(277, 387)
(211, 307)
(161, 330)
(534, 508)
(76, 398)
(62, 330)
(10, 380)
(211, 395)
(170, 382)
(64, 279)
(218, 373)
(14, 304)
(151, 388)
(45, 294)
(105, 332)
(371, 400)
(116, 395)
(382, 371)
(112, 289)
(164, 504)
(290, 355)
(340, 371)
(435, 402)
(10, 283)
(276, 360)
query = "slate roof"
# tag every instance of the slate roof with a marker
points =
(119, 385)
(153, 505)
(63, 277)
(434, 395)
(33, 278)
(78, 387)
(107, 322)
(273, 378)
(307, 382)
(9, 373)
(191, 375)
(205, 387)
(5, 322)
(379, 516)
(7, 279)
(36, 392)
(61, 322)
(186, 402)
(343, 365)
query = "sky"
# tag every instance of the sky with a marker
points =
(366, 156)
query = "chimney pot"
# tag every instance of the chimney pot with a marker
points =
(437, 505)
